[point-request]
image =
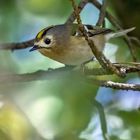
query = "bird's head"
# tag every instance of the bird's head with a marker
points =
(50, 37)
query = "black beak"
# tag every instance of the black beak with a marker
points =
(35, 47)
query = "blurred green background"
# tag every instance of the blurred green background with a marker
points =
(63, 109)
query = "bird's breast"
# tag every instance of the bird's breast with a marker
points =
(74, 53)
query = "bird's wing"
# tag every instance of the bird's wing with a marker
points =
(94, 30)
(91, 30)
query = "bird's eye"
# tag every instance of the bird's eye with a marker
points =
(47, 41)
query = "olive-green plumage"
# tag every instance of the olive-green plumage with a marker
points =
(65, 44)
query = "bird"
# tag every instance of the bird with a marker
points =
(66, 44)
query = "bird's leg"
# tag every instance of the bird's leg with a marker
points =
(69, 66)
(86, 62)
(90, 60)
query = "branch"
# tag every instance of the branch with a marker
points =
(115, 85)
(102, 117)
(80, 8)
(16, 46)
(116, 24)
(38, 75)
(63, 71)
(102, 14)
(126, 68)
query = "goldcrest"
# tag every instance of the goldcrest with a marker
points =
(65, 44)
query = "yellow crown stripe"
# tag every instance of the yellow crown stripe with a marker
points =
(43, 33)
(39, 35)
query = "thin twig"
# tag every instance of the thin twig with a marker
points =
(81, 5)
(102, 118)
(102, 13)
(105, 63)
(115, 85)
(16, 46)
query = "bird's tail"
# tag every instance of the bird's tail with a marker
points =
(118, 33)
